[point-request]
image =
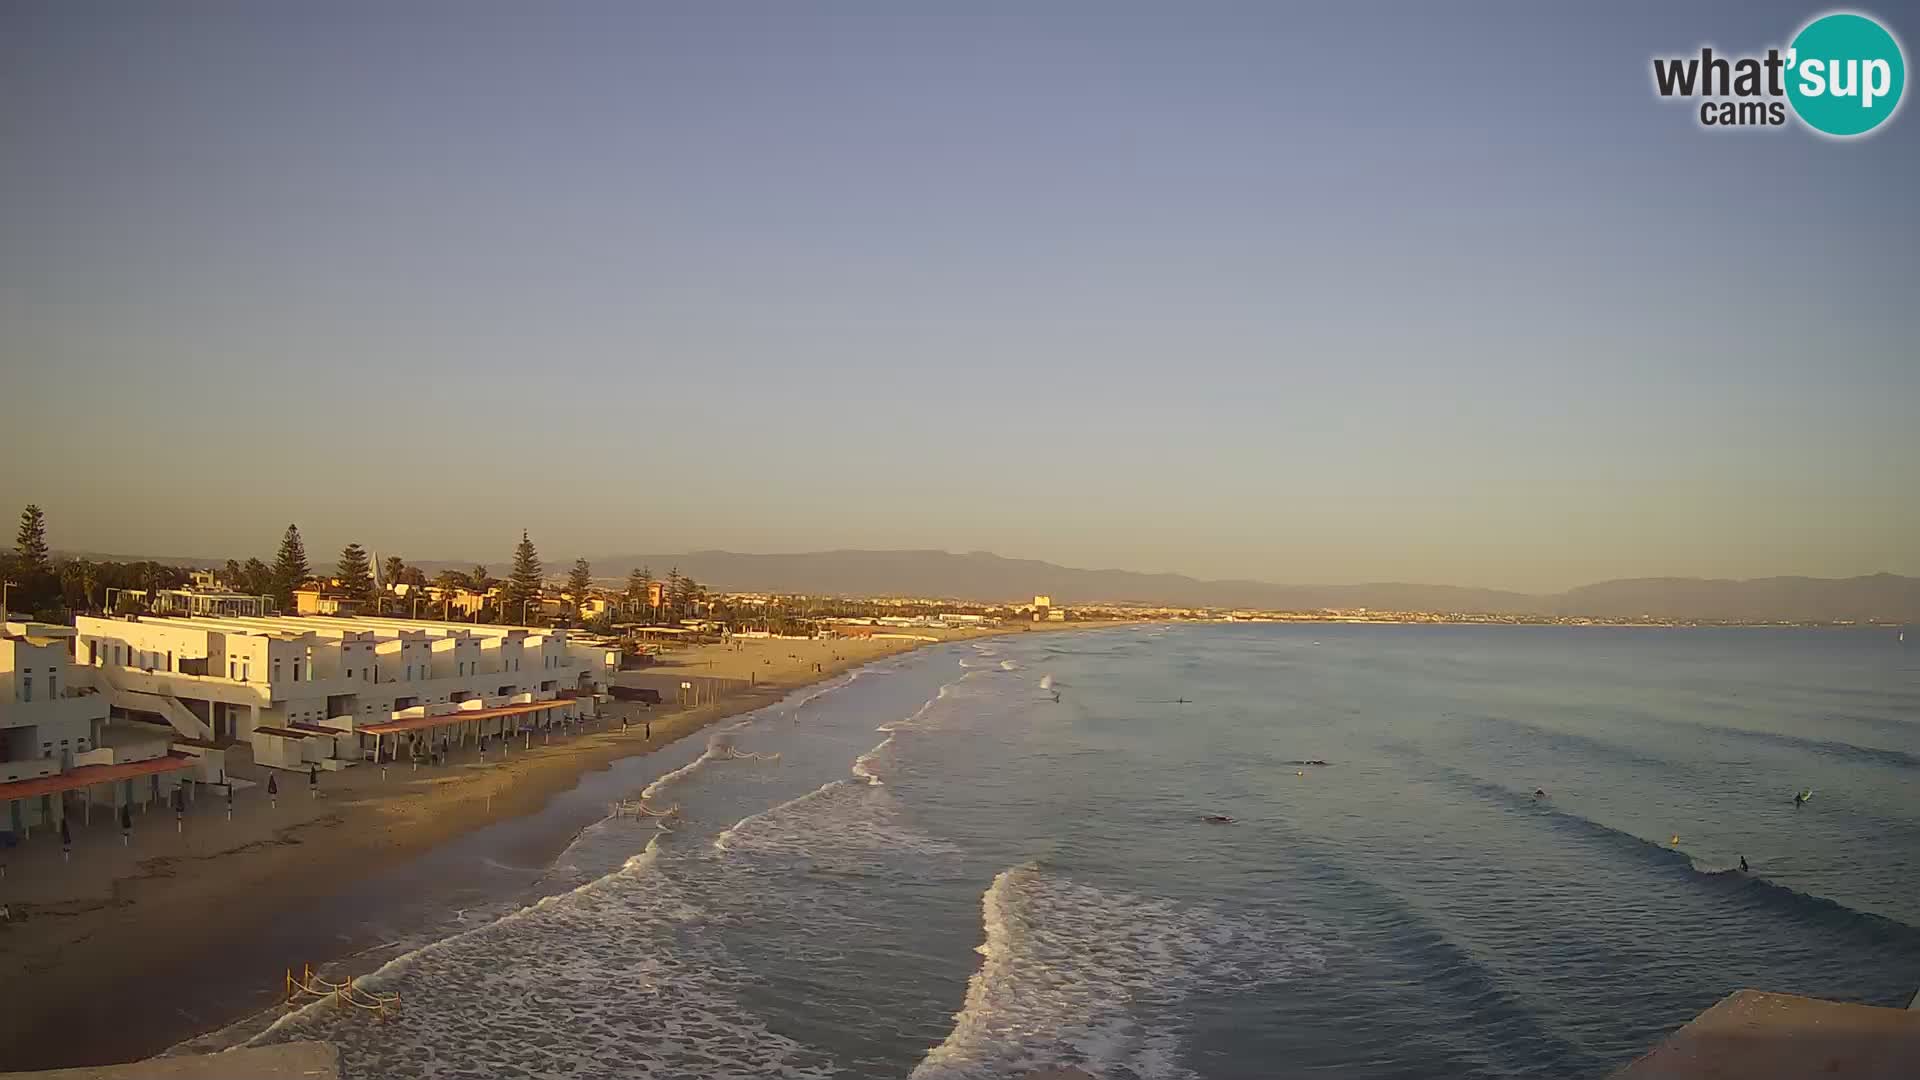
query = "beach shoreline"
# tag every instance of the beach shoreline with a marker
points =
(187, 931)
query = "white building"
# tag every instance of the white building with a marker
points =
(305, 682)
(55, 738)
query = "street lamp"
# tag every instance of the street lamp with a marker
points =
(4, 586)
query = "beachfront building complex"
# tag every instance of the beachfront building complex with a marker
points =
(315, 687)
(56, 740)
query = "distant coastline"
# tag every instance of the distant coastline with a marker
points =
(986, 579)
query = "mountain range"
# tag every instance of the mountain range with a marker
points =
(983, 576)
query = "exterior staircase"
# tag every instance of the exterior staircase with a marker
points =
(170, 708)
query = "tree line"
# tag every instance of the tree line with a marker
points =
(54, 590)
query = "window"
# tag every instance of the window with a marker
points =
(232, 668)
(53, 686)
(296, 669)
(276, 669)
(245, 671)
(26, 688)
(93, 652)
(409, 672)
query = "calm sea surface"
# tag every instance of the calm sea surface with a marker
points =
(946, 873)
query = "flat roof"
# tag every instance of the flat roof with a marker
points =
(414, 723)
(89, 775)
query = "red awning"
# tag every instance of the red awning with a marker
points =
(89, 775)
(414, 723)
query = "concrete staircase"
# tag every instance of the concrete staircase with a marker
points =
(177, 715)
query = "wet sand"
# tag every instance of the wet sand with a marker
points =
(126, 951)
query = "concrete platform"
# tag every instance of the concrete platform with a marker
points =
(288, 1061)
(1754, 1035)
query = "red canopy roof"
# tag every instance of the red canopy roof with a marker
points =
(89, 775)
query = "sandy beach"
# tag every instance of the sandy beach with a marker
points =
(188, 928)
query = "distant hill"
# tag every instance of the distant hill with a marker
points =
(1883, 597)
(983, 576)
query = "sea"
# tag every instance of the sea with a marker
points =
(1474, 851)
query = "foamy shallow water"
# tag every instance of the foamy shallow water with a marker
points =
(948, 873)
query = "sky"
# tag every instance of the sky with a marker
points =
(1301, 293)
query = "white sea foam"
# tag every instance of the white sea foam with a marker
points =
(715, 743)
(1046, 681)
(1008, 665)
(944, 691)
(841, 825)
(561, 988)
(1073, 975)
(863, 765)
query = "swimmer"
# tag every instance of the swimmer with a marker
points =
(1217, 819)
(1539, 793)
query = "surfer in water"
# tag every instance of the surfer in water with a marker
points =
(1800, 797)
(1539, 793)
(1743, 864)
(1056, 697)
(1217, 819)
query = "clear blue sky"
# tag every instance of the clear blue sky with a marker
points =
(1361, 292)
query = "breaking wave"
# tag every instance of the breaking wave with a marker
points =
(1074, 976)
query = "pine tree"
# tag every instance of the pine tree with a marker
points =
(290, 569)
(580, 582)
(355, 572)
(686, 592)
(523, 583)
(672, 594)
(30, 546)
(256, 577)
(636, 589)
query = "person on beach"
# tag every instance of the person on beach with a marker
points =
(313, 781)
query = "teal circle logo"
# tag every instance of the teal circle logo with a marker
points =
(1845, 73)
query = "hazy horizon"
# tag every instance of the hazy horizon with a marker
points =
(1291, 296)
